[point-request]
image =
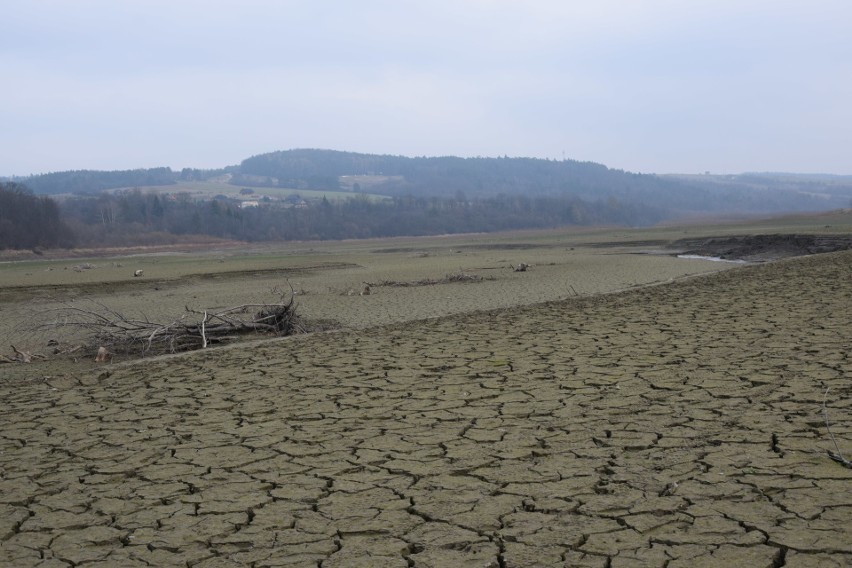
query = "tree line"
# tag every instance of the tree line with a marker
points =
(134, 217)
(95, 181)
(28, 221)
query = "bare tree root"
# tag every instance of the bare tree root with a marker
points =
(836, 456)
(20, 356)
(194, 329)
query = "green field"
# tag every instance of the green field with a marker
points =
(209, 189)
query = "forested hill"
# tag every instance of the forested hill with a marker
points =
(480, 178)
(487, 177)
(93, 181)
(438, 176)
(453, 176)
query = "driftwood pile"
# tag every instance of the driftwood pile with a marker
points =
(114, 332)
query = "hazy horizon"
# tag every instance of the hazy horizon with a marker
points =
(237, 162)
(653, 87)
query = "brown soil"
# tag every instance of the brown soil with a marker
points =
(201, 245)
(676, 425)
(28, 292)
(328, 283)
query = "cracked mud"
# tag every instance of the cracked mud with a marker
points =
(679, 425)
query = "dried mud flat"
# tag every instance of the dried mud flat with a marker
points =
(675, 425)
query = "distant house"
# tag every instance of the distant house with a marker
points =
(247, 204)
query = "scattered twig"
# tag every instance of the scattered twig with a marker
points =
(838, 456)
(449, 278)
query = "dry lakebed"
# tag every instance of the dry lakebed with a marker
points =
(612, 406)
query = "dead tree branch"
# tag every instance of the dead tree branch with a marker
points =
(120, 333)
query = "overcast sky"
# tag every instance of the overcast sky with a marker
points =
(660, 86)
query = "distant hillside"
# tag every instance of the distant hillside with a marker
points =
(481, 178)
(94, 181)
(450, 176)
(771, 192)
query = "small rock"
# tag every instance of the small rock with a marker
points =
(103, 355)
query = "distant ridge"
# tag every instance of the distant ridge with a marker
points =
(479, 177)
(466, 178)
(813, 176)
